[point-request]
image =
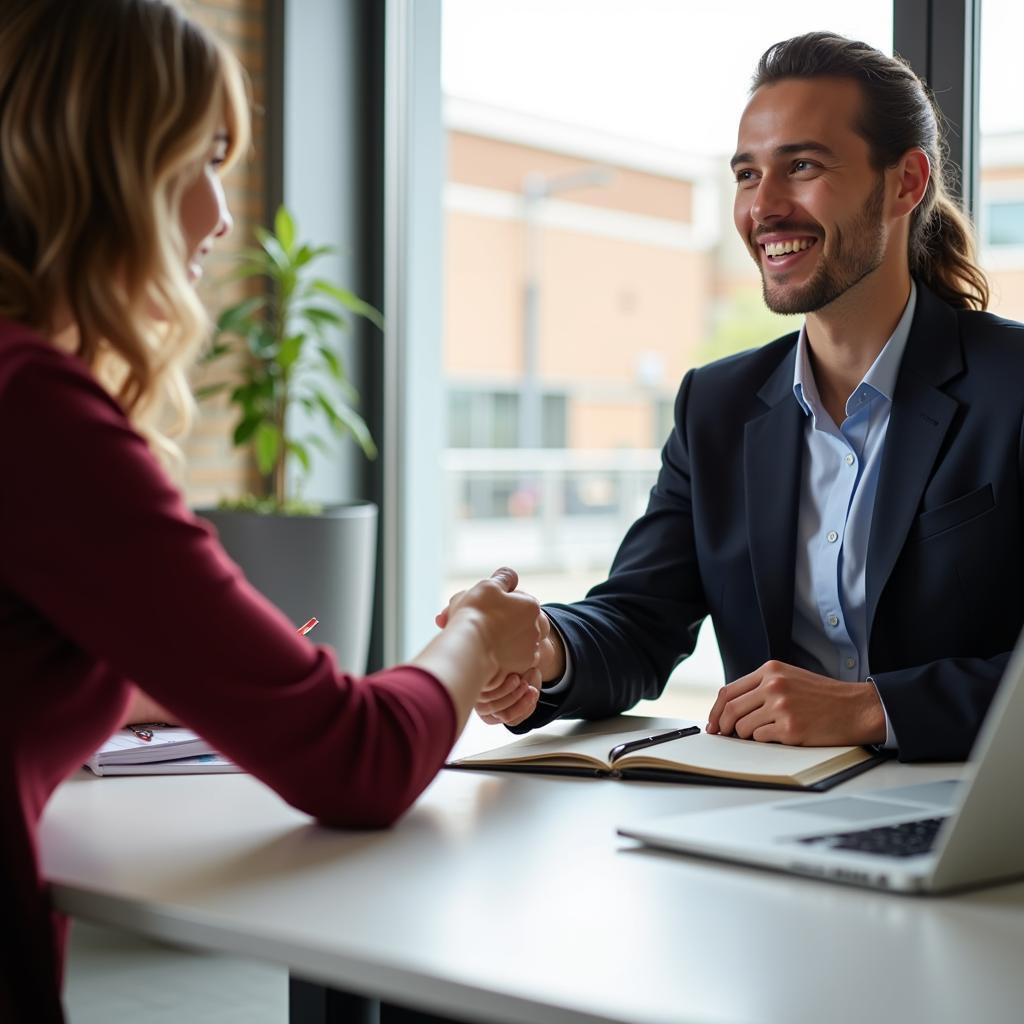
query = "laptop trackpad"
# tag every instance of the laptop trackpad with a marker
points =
(850, 808)
(942, 794)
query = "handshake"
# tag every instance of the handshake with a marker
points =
(523, 648)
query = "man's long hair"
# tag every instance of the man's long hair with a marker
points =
(898, 114)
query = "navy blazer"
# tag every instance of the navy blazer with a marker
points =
(945, 569)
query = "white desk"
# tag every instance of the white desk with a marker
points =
(509, 898)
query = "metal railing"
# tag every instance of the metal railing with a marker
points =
(547, 510)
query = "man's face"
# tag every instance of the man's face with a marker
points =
(809, 205)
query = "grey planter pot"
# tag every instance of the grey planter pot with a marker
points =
(311, 565)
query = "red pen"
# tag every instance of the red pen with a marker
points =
(307, 626)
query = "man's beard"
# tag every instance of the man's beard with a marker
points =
(856, 253)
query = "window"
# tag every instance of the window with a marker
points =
(590, 260)
(483, 419)
(1001, 157)
(1003, 222)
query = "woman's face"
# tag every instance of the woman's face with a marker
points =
(204, 210)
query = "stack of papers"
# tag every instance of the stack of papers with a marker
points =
(171, 751)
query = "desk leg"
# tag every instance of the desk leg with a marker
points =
(391, 1014)
(309, 1003)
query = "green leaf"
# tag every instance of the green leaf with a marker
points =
(332, 361)
(263, 343)
(239, 319)
(284, 228)
(201, 394)
(268, 444)
(345, 419)
(281, 264)
(319, 444)
(246, 429)
(214, 352)
(318, 315)
(247, 270)
(241, 394)
(309, 253)
(357, 427)
(350, 301)
(300, 452)
(291, 349)
(254, 255)
(327, 407)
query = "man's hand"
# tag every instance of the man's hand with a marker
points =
(510, 698)
(779, 703)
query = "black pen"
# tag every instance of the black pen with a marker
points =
(650, 741)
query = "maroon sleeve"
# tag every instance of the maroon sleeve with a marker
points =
(96, 538)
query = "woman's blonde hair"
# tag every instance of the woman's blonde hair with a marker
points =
(108, 110)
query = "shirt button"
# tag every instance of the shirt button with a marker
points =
(849, 460)
(833, 620)
(850, 662)
(832, 536)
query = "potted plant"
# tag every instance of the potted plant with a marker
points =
(276, 352)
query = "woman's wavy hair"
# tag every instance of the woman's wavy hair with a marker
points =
(108, 110)
(898, 114)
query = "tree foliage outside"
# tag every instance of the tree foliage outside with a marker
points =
(742, 322)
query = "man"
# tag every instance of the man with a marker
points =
(844, 502)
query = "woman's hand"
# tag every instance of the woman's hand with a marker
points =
(511, 622)
(489, 631)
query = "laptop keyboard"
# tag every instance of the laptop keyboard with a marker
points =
(908, 839)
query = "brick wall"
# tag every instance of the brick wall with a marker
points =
(214, 468)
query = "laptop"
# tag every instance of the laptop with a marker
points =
(925, 838)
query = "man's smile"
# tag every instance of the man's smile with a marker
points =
(784, 250)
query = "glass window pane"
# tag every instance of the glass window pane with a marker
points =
(555, 412)
(1004, 223)
(1001, 192)
(460, 420)
(591, 258)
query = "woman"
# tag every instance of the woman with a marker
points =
(116, 119)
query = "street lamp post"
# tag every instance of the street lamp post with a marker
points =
(536, 188)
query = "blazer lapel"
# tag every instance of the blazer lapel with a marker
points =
(918, 423)
(772, 457)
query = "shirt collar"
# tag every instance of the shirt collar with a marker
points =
(880, 380)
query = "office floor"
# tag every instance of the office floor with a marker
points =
(113, 976)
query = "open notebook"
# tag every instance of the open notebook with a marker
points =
(631, 747)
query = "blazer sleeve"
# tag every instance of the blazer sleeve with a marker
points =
(937, 709)
(629, 632)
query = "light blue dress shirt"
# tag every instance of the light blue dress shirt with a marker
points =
(838, 483)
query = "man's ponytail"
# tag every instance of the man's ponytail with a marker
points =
(942, 255)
